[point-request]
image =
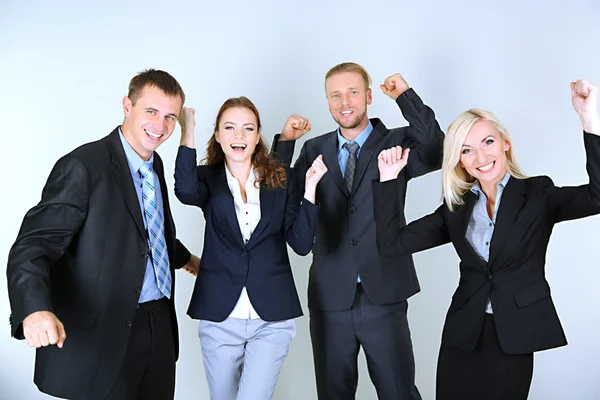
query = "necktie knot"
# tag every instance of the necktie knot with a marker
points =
(146, 169)
(352, 147)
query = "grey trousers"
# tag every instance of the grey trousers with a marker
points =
(242, 358)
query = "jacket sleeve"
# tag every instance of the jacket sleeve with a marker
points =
(424, 138)
(46, 233)
(300, 217)
(572, 202)
(190, 189)
(393, 239)
(283, 150)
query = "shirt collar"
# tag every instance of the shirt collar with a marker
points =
(360, 139)
(232, 181)
(134, 160)
(476, 188)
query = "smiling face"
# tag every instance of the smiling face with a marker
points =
(238, 134)
(483, 154)
(151, 120)
(348, 97)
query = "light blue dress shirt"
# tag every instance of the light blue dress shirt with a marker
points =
(481, 228)
(343, 153)
(150, 290)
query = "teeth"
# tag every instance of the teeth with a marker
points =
(154, 135)
(238, 146)
(346, 112)
(486, 167)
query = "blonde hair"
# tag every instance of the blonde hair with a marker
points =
(456, 181)
(349, 67)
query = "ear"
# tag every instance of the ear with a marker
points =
(460, 164)
(506, 145)
(216, 133)
(127, 105)
(369, 96)
(258, 136)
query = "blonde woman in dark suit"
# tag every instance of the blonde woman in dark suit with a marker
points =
(499, 222)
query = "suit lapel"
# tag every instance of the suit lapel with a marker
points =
(226, 202)
(513, 199)
(366, 153)
(463, 217)
(329, 151)
(124, 179)
(267, 199)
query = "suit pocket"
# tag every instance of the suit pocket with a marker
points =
(320, 248)
(532, 294)
(77, 318)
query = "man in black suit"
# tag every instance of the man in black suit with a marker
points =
(355, 298)
(91, 275)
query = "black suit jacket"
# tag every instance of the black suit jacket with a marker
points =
(81, 253)
(514, 277)
(345, 241)
(228, 263)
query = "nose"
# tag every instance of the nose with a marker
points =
(480, 157)
(345, 99)
(159, 125)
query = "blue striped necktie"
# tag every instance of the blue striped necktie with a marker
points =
(156, 230)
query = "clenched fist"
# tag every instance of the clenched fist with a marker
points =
(394, 86)
(42, 329)
(584, 97)
(295, 127)
(390, 162)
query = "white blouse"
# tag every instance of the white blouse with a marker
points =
(248, 215)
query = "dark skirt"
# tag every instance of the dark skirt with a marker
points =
(484, 374)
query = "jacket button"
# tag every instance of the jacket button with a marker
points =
(244, 254)
(138, 290)
(352, 209)
(354, 242)
(128, 323)
(145, 254)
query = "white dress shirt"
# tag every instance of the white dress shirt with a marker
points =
(248, 215)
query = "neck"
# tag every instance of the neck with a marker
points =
(490, 190)
(144, 155)
(239, 169)
(351, 134)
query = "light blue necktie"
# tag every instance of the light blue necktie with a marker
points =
(156, 230)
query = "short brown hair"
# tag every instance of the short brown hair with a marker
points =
(154, 77)
(271, 175)
(349, 67)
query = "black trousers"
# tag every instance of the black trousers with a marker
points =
(383, 333)
(485, 374)
(148, 371)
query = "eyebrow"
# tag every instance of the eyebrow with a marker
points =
(155, 110)
(338, 91)
(484, 139)
(233, 123)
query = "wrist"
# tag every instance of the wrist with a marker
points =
(590, 123)
(387, 177)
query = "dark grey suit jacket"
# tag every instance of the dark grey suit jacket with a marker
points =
(81, 253)
(345, 241)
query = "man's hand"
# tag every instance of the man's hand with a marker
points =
(294, 128)
(193, 265)
(584, 97)
(394, 86)
(390, 162)
(42, 328)
(187, 120)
